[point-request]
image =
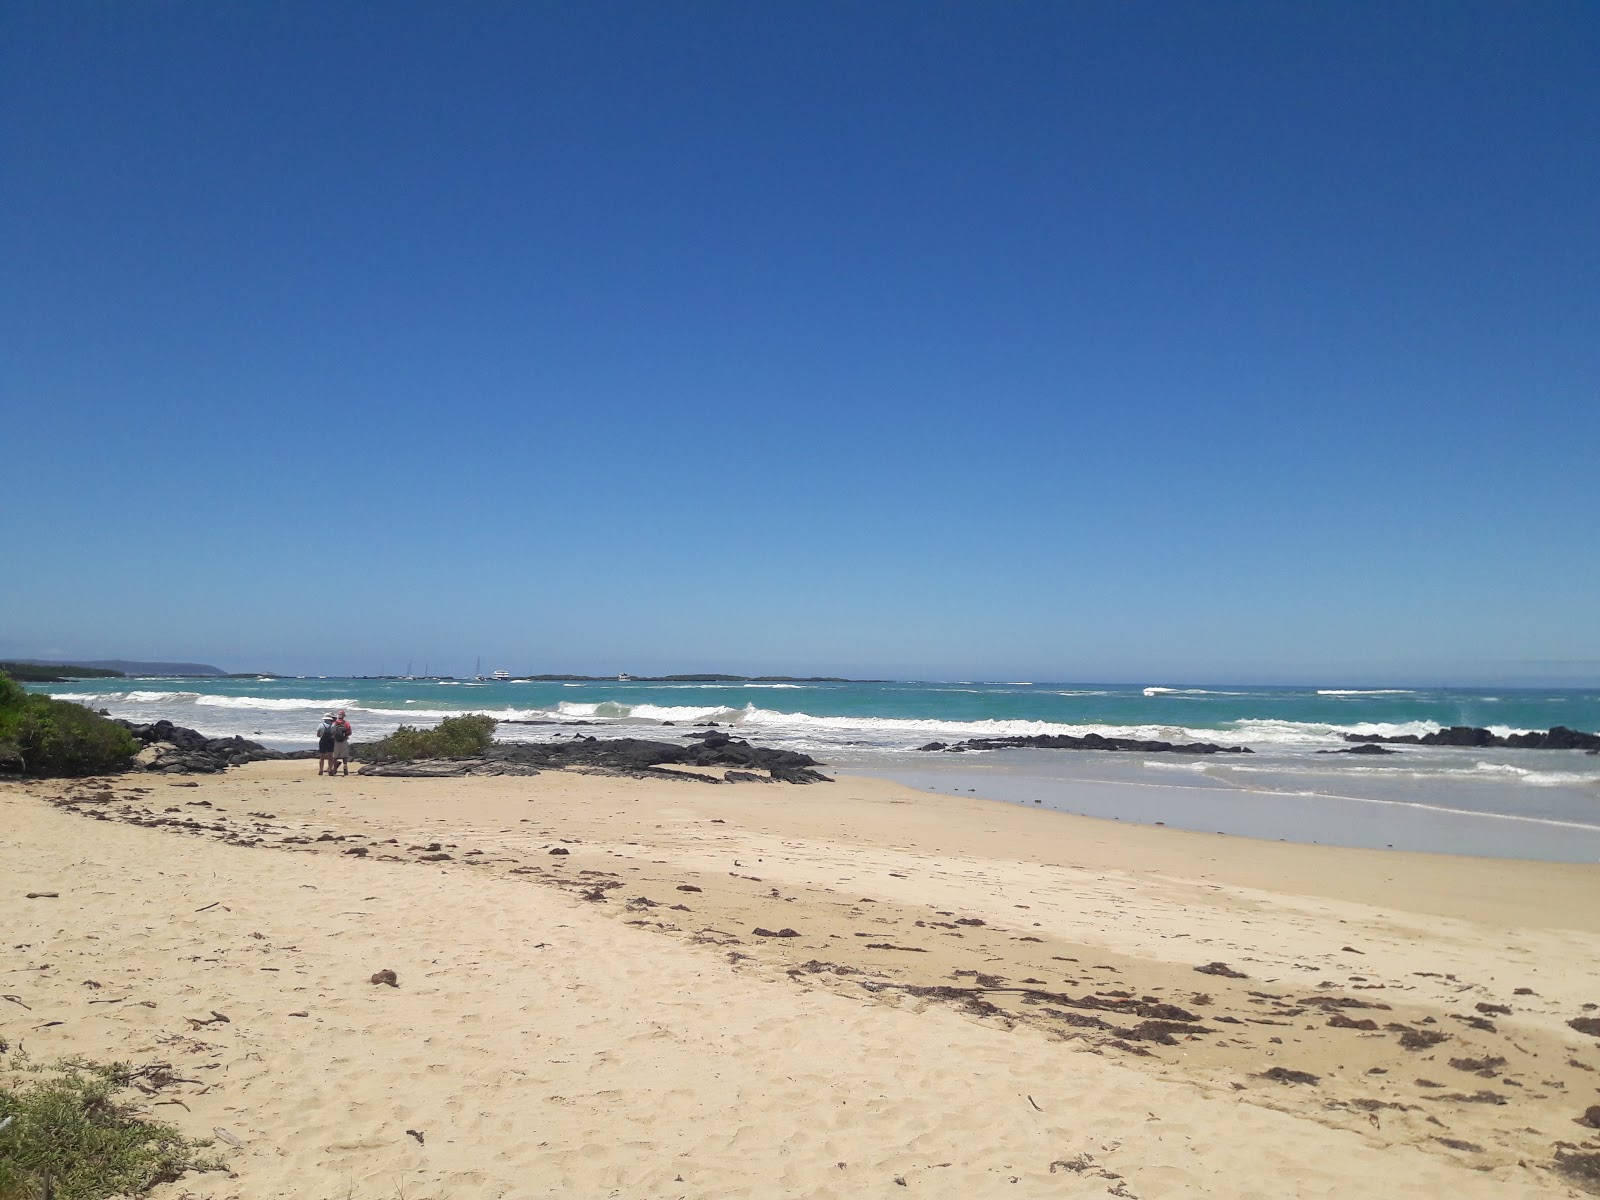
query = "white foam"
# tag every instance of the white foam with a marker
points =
(1301, 733)
(499, 714)
(1536, 778)
(1167, 691)
(125, 697)
(274, 704)
(617, 710)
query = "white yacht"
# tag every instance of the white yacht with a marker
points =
(501, 676)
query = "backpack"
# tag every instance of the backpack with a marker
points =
(341, 730)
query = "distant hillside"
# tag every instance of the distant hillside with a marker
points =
(32, 672)
(128, 667)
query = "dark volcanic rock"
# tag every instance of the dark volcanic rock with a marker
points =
(445, 768)
(190, 752)
(1089, 741)
(1366, 748)
(1558, 737)
(631, 756)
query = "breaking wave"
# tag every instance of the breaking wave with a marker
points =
(1537, 778)
(1169, 691)
(273, 704)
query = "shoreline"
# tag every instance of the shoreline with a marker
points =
(1263, 814)
(958, 955)
(1492, 800)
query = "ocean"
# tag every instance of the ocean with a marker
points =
(1505, 802)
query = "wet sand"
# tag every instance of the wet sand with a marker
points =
(746, 989)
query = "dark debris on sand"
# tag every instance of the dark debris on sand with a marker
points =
(1581, 1167)
(1285, 1075)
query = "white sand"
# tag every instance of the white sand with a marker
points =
(547, 1045)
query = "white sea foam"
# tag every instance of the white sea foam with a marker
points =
(1168, 691)
(616, 709)
(1291, 733)
(1536, 778)
(271, 704)
(439, 714)
(126, 697)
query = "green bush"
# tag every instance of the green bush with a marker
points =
(44, 737)
(453, 737)
(70, 1138)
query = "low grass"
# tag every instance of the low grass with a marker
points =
(453, 737)
(66, 1136)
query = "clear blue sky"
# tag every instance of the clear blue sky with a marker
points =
(1197, 341)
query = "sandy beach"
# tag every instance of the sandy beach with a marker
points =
(625, 987)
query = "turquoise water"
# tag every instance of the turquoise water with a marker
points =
(881, 713)
(1522, 802)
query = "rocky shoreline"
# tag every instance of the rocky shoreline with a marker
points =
(626, 756)
(172, 749)
(1558, 737)
(169, 749)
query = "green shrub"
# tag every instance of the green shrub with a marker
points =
(70, 1138)
(45, 737)
(453, 737)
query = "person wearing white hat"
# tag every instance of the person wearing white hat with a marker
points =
(325, 745)
(341, 743)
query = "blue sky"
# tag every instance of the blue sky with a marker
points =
(1246, 342)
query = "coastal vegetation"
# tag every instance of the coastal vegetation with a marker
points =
(44, 737)
(65, 1134)
(453, 737)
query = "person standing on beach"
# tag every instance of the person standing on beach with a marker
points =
(341, 743)
(325, 745)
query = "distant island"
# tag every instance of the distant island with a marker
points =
(109, 668)
(33, 672)
(692, 679)
(638, 678)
